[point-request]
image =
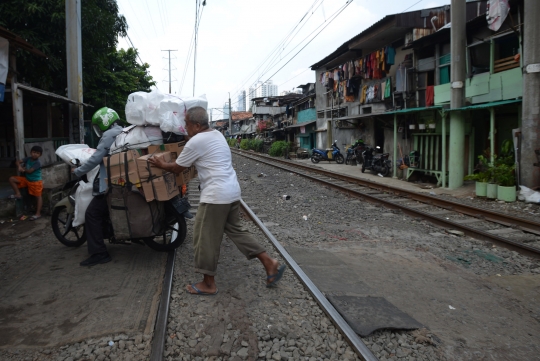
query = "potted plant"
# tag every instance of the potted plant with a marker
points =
(506, 189)
(481, 175)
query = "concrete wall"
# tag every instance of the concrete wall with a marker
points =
(55, 175)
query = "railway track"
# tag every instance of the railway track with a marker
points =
(441, 212)
(160, 330)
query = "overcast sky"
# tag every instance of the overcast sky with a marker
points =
(238, 40)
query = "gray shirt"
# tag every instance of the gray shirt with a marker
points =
(102, 151)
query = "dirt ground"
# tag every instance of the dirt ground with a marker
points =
(47, 299)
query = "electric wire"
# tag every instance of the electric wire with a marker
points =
(150, 16)
(331, 19)
(278, 46)
(186, 66)
(412, 5)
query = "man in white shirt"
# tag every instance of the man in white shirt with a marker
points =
(219, 206)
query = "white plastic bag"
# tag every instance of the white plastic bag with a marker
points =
(152, 107)
(154, 134)
(132, 137)
(172, 111)
(528, 195)
(136, 106)
(70, 151)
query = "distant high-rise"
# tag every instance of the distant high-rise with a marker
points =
(241, 107)
(266, 89)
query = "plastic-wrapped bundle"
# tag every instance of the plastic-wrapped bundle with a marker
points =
(136, 108)
(155, 137)
(153, 101)
(172, 112)
(136, 137)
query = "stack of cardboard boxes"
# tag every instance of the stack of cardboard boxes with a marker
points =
(155, 183)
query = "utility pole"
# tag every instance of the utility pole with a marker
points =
(230, 115)
(530, 122)
(74, 69)
(169, 68)
(457, 95)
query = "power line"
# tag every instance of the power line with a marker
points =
(276, 49)
(332, 18)
(150, 16)
(412, 5)
(186, 66)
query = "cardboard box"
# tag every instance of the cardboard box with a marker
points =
(174, 148)
(161, 188)
(116, 167)
(147, 170)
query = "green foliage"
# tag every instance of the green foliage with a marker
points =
(278, 148)
(504, 175)
(109, 75)
(255, 144)
(244, 144)
(231, 142)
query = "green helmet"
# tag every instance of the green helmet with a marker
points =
(103, 119)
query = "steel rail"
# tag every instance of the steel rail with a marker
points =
(354, 340)
(160, 328)
(506, 220)
(445, 223)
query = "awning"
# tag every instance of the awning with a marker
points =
(486, 105)
(50, 95)
(415, 110)
(302, 124)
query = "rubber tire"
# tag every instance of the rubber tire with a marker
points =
(340, 159)
(348, 160)
(363, 168)
(385, 171)
(180, 237)
(56, 230)
(315, 159)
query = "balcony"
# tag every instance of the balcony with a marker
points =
(486, 87)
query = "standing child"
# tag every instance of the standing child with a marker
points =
(31, 167)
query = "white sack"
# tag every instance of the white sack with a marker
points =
(173, 109)
(132, 137)
(152, 107)
(70, 151)
(528, 195)
(136, 108)
(154, 135)
(83, 197)
(172, 112)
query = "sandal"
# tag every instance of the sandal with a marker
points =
(34, 217)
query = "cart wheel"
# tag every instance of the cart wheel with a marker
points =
(174, 232)
(63, 230)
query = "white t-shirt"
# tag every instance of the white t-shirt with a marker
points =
(210, 154)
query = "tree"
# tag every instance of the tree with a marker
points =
(106, 71)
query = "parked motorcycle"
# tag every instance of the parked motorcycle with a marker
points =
(354, 152)
(322, 154)
(379, 163)
(171, 224)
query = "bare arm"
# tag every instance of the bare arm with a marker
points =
(169, 167)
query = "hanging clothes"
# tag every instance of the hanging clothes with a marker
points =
(388, 88)
(363, 94)
(390, 54)
(430, 95)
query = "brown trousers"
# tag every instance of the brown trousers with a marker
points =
(211, 221)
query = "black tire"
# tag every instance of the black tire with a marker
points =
(385, 170)
(315, 159)
(168, 242)
(363, 168)
(340, 159)
(64, 232)
(348, 160)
